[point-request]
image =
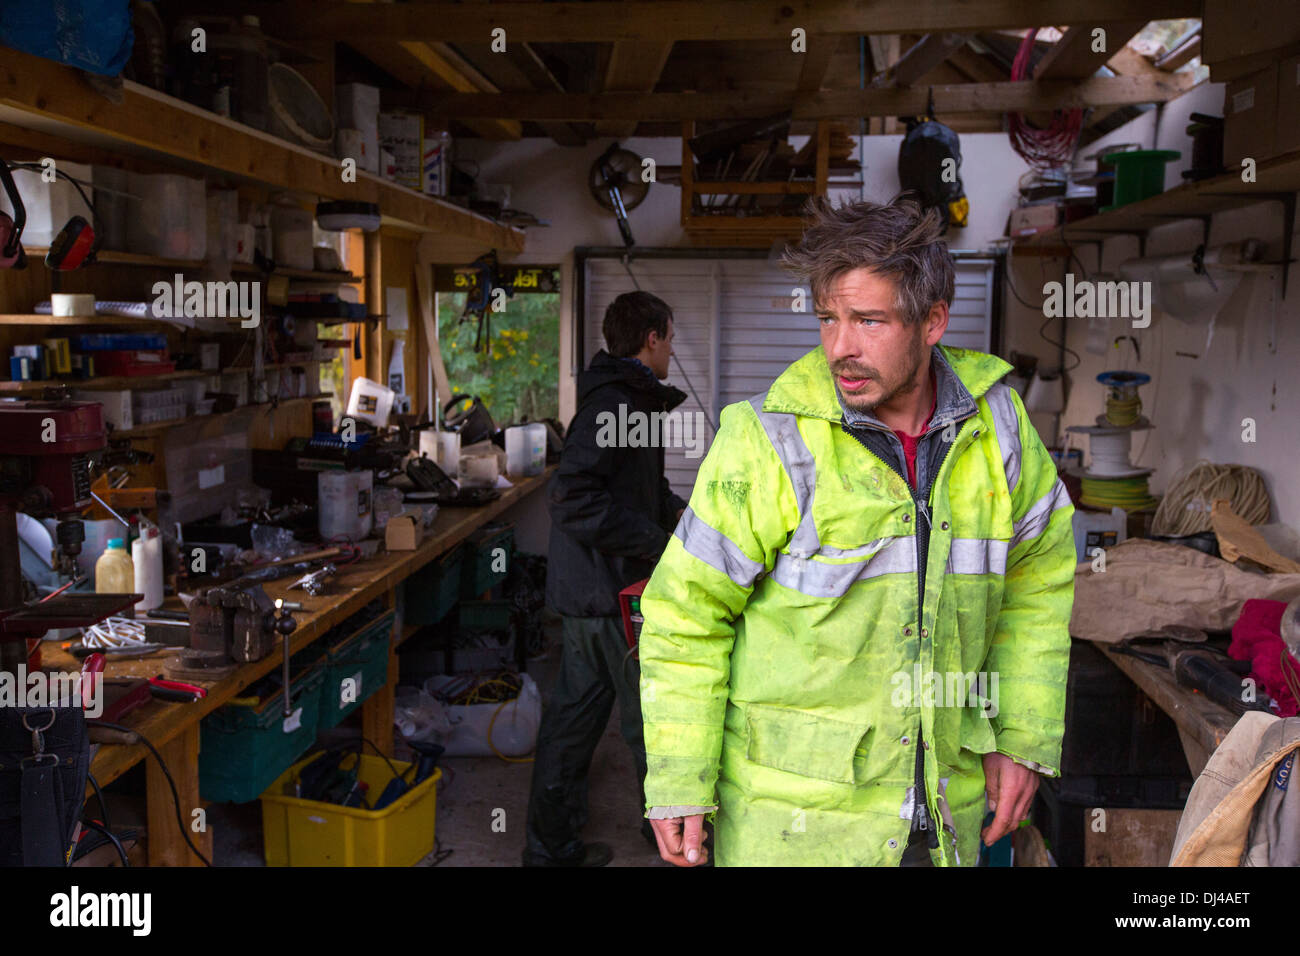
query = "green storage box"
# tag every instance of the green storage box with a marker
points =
(355, 667)
(481, 570)
(243, 749)
(1139, 174)
(433, 591)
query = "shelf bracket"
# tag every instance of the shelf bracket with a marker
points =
(1287, 200)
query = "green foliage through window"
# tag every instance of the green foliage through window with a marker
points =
(518, 378)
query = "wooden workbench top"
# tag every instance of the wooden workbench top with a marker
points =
(351, 589)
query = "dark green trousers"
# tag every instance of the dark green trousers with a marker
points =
(596, 671)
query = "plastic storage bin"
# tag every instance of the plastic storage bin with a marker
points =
(433, 591)
(478, 574)
(298, 832)
(361, 658)
(243, 749)
(172, 218)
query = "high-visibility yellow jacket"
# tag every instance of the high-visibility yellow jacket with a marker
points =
(787, 662)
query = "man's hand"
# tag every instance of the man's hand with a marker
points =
(679, 840)
(1010, 787)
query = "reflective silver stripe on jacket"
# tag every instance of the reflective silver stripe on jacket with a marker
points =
(1007, 427)
(977, 556)
(703, 541)
(783, 432)
(819, 579)
(1039, 514)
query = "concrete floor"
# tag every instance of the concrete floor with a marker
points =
(473, 789)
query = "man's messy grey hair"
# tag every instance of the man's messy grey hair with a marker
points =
(894, 240)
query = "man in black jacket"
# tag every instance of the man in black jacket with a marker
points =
(612, 514)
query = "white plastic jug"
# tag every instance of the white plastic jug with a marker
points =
(147, 559)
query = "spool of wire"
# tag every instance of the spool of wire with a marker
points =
(1123, 405)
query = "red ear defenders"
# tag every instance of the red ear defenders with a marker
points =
(11, 227)
(73, 247)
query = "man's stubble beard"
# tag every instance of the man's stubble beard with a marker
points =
(919, 353)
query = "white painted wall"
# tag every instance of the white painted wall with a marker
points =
(1197, 404)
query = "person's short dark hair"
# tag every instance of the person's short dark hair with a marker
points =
(630, 319)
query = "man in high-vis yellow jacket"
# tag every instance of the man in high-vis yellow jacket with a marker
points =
(858, 633)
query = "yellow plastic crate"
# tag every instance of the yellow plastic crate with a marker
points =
(298, 832)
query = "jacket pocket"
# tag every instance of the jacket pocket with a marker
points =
(802, 743)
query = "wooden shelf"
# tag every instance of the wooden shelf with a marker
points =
(36, 318)
(309, 274)
(118, 258)
(51, 99)
(157, 428)
(100, 382)
(1189, 201)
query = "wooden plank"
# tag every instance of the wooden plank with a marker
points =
(1204, 721)
(816, 62)
(1072, 56)
(607, 21)
(1182, 54)
(837, 104)
(634, 67)
(925, 55)
(1130, 837)
(351, 589)
(54, 99)
(752, 189)
(520, 72)
(167, 847)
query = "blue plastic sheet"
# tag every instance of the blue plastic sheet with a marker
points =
(93, 35)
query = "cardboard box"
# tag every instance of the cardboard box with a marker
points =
(402, 134)
(1231, 29)
(1250, 118)
(404, 532)
(1288, 105)
(357, 108)
(1030, 220)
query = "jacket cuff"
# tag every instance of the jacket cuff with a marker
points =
(1036, 767)
(671, 813)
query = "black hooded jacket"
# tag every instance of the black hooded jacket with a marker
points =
(612, 511)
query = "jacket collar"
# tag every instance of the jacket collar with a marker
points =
(961, 376)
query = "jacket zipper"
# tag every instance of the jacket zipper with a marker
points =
(920, 805)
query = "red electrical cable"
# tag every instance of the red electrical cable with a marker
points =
(1042, 148)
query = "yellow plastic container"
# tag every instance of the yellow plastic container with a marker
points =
(114, 572)
(298, 832)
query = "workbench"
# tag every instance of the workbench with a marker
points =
(1202, 724)
(173, 728)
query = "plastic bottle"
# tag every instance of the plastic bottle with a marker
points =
(114, 573)
(243, 59)
(146, 557)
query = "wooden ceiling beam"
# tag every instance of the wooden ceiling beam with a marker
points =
(1072, 57)
(634, 67)
(816, 62)
(606, 21)
(520, 71)
(925, 55)
(419, 66)
(827, 104)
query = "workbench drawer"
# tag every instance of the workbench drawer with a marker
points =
(355, 667)
(484, 568)
(433, 591)
(242, 749)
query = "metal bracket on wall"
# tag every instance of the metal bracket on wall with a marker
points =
(1287, 200)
